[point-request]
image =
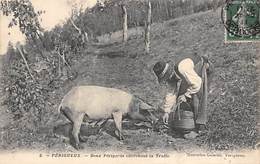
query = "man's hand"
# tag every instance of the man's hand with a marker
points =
(182, 98)
(165, 118)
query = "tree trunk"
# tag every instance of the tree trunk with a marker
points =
(215, 5)
(64, 73)
(59, 67)
(192, 6)
(167, 10)
(38, 48)
(83, 34)
(86, 37)
(124, 23)
(18, 46)
(148, 28)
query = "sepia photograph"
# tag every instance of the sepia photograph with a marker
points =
(150, 81)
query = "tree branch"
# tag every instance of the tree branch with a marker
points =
(148, 27)
(64, 60)
(76, 27)
(124, 22)
(25, 61)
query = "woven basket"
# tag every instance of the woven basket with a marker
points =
(183, 120)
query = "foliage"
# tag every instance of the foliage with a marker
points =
(23, 15)
(48, 55)
(25, 95)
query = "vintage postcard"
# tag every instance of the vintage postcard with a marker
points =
(117, 81)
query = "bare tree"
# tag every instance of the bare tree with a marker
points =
(75, 14)
(83, 34)
(148, 28)
(192, 6)
(214, 5)
(123, 6)
(21, 52)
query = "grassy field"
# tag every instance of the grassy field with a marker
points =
(232, 97)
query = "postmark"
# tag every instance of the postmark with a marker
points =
(241, 19)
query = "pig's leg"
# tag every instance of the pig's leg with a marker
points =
(137, 116)
(76, 129)
(100, 122)
(67, 113)
(118, 121)
(81, 139)
(102, 125)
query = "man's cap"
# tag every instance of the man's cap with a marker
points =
(162, 70)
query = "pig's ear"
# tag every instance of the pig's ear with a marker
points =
(134, 105)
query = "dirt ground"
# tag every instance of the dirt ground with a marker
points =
(126, 67)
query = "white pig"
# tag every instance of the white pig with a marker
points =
(98, 103)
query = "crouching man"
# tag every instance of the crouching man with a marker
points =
(187, 83)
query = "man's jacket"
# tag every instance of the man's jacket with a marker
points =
(193, 75)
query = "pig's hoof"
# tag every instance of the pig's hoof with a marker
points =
(119, 135)
(191, 135)
(121, 138)
(82, 139)
(100, 130)
(79, 146)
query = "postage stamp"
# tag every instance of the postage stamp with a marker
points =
(241, 20)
